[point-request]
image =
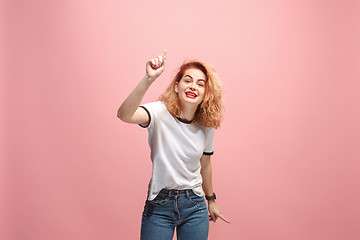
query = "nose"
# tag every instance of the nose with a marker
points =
(193, 86)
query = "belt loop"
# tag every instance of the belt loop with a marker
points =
(187, 194)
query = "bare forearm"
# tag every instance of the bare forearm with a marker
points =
(132, 102)
(206, 173)
(129, 110)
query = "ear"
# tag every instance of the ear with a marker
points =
(176, 87)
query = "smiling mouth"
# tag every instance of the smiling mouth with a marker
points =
(191, 95)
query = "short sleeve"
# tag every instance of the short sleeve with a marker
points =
(209, 141)
(152, 110)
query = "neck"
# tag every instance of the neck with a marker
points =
(188, 112)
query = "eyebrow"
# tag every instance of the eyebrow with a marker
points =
(193, 78)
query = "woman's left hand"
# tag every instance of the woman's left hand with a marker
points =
(215, 212)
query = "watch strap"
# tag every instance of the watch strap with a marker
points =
(213, 197)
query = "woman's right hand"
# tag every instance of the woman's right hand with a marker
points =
(156, 66)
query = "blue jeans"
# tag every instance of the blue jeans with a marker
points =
(182, 209)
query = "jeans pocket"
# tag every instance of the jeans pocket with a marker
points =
(159, 200)
(195, 199)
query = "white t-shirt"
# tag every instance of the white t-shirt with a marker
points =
(176, 148)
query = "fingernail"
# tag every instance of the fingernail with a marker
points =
(159, 64)
(214, 220)
(164, 57)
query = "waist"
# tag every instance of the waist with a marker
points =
(175, 192)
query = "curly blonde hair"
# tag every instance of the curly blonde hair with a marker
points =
(209, 111)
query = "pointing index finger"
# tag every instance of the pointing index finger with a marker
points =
(164, 53)
(224, 219)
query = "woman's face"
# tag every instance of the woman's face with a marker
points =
(191, 87)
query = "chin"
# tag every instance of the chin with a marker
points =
(192, 102)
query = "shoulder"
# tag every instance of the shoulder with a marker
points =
(209, 133)
(155, 105)
(207, 130)
(154, 109)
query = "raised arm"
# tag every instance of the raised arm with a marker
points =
(129, 111)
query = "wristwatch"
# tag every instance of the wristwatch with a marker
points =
(213, 197)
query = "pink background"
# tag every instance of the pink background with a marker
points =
(286, 163)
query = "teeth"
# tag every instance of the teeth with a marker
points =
(191, 94)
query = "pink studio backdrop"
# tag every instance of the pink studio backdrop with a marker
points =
(286, 163)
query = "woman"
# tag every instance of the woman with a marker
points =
(181, 128)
